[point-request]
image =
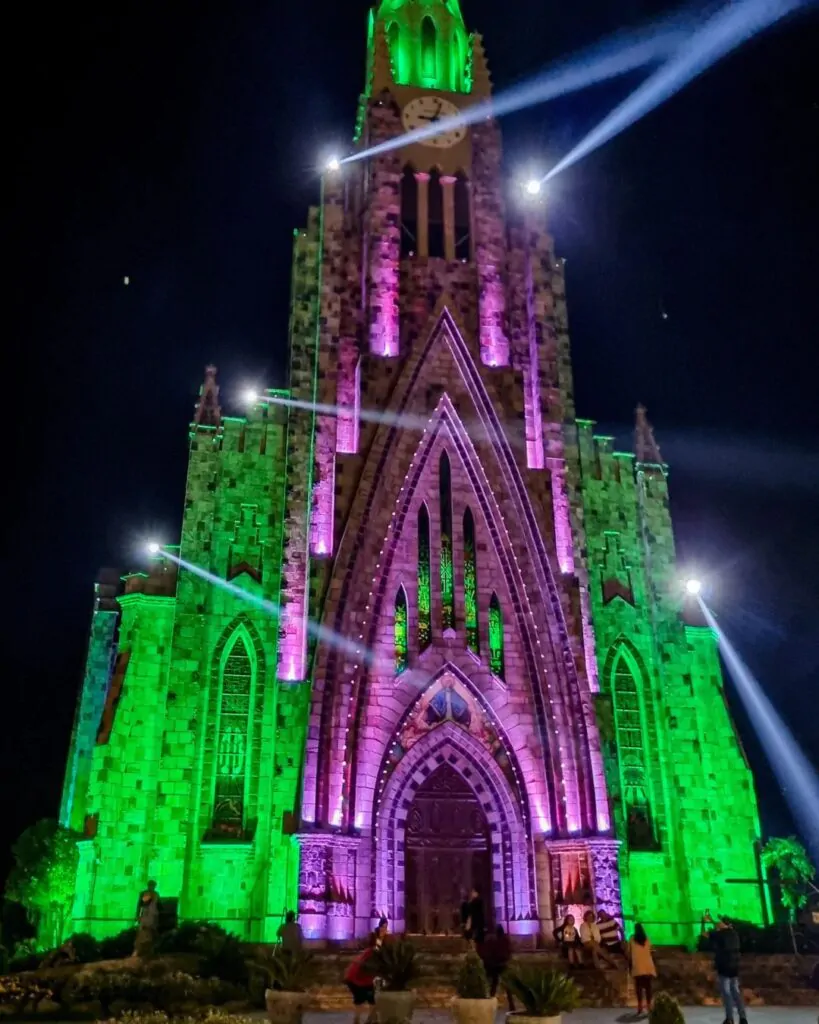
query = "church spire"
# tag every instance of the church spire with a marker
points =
(645, 446)
(208, 412)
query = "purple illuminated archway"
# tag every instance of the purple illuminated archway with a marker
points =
(513, 902)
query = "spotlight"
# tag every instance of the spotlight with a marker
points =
(693, 586)
(153, 548)
(333, 164)
(532, 187)
(250, 396)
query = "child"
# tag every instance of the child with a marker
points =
(569, 940)
(642, 967)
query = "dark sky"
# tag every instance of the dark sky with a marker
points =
(177, 144)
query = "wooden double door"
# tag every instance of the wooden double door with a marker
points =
(447, 853)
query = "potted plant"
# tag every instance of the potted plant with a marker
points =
(290, 973)
(666, 1010)
(473, 1004)
(545, 995)
(395, 967)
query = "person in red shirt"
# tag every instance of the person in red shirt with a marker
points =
(360, 975)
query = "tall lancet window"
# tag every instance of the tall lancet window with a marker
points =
(435, 215)
(629, 729)
(409, 213)
(233, 736)
(429, 56)
(424, 582)
(463, 234)
(401, 630)
(470, 584)
(496, 637)
(447, 574)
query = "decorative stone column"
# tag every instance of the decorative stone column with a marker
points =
(603, 854)
(448, 187)
(422, 213)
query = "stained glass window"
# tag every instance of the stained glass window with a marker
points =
(631, 756)
(447, 580)
(424, 582)
(401, 632)
(496, 637)
(232, 739)
(470, 584)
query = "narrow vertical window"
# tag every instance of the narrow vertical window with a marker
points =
(400, 626)
(496, 637)
(470, 584)
(233, 730)
(628, 721)
(429, 57)
(424, 583)
(435, 214)
(463, 241)
(447, 576)
(394, 40)
(409, 213)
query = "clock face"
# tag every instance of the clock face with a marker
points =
(426, 112)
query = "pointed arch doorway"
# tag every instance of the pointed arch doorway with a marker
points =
(447, 853)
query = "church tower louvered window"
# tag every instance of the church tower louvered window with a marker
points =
(631, 755)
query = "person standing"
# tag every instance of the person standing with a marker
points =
(726, 947)
(290, 934)
(475, 929)
(569, 941)
(642, 968)
(496, 954)
(590, 940)
(147, 915)
(611, 938)
(360, 975)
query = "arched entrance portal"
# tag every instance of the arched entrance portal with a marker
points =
(447, 852)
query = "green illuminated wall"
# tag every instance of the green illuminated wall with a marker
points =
(681, 791)
(197, 748)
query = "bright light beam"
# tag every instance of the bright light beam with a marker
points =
(615, 56)
(321, 633)
(732, 25)
(405, 420)
(795, 774)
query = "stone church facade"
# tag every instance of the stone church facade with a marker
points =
(453, 649)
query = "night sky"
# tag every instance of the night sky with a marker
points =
(178, 144)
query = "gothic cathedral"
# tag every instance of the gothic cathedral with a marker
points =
(453, 651)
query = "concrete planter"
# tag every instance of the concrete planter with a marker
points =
(394, 1007)
(475, 1011)
(285, 1007)
(523, 1018)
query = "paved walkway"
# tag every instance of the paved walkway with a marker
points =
(693, 1015)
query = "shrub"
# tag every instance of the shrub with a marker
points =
(117, 947)
(666, 1010)
(220, 952)
(472, 981)
(22, 993)
(542, 993)
(290, 971)
(86, 947)
(191, 937)
(396, 964)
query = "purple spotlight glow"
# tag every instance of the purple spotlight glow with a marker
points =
(795, 774)
(732, 25)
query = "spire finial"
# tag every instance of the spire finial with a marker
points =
(645, 446)
(208, 411)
